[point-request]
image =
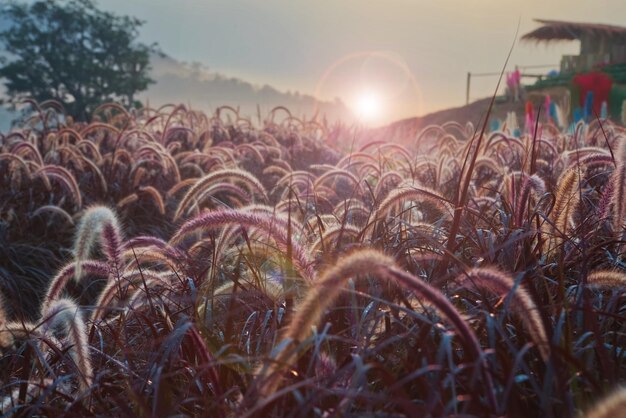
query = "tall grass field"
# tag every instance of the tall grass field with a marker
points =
(165, 262)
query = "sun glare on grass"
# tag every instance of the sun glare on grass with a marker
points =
(368, 106)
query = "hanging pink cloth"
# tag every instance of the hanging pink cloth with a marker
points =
(599, 83)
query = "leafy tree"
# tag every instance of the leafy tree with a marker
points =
(74, 53)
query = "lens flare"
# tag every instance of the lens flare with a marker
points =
(384, 73)
(368, 106)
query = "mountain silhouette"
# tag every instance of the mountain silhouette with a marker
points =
(193, 84)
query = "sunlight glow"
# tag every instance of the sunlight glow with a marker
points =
(368, 106)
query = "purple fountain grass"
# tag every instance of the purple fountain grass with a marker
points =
(612, 405)
(121, 289)
(578, 154)
(391, 148)
(278, 215)
(24, 147)
(594, 161)
(180, 186)
(411, 192)
(131, 198)
(70, 156)
(269, 288)
(149, 150)
(284, 164)
(618, 184)
(95, 155)
(97, 173)
(530, 184)
(172, 167)
(329, 239)
(319, 223)
(168, 258)
(139, 169)
(192, 170)
(227, 234)
(326, 290)
(65, 315)
(488, 163)
(300, 177)
(146, 241)
(392, 177)
(566, 201)
(17, 160)
(265, 222)
(350, 159)
(610, 279)
(11, 404)
(233, 191)
(98, 224)
(211, 179)
(359, 166)
(56, 210)
(253, 150)
(368, 170)
(322, 168)
(339, 173)
(112, 245)
(603, 210)
(141, 296)
(274, 170)
(155, 195)
(5, 338)
(98, 125)
(13, 330)
(66, 273)
(267, 264)
(119, 157)
(65, 178)
(353, 210)
(521, 303)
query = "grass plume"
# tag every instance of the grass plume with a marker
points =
(521, 303)
(98, 225)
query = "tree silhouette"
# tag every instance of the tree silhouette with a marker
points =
(74, 53)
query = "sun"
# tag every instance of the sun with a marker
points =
(368, 106)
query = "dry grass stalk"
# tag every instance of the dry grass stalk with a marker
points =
(566, 201)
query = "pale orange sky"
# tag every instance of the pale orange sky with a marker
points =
(412, 55)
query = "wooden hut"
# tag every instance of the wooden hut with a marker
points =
(602, 57)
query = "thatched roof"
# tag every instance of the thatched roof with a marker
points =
(554, 30)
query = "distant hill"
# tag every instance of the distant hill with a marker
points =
(473, 112)
(194, 84)
(6, 116)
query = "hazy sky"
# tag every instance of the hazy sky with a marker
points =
(411, 56)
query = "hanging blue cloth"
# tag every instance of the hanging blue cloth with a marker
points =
(554, 115)
(494, 125)
(578, 115)
(604, 111)
(588, 112)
